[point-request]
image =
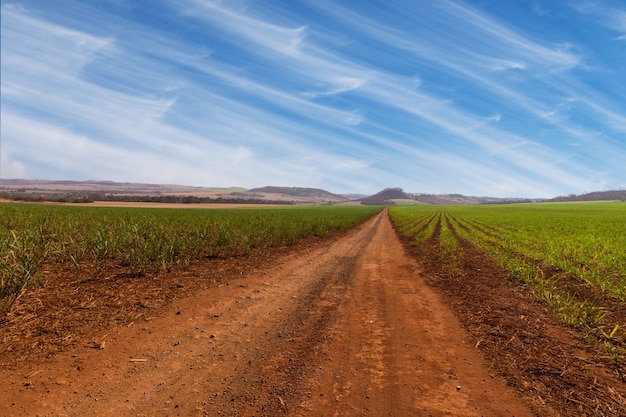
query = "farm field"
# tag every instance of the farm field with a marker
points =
(307, 311)
(93, 242)
(570, 256)
(566, 258)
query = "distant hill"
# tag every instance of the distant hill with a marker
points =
(386, 197)
(353, 197)
(299, 193)
(445, 199)
(90, 191)
(392, 196)
(87, 191)
(613, 195)
(463, 199)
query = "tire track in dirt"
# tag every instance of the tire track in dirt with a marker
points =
(398, 351)
(348, 328)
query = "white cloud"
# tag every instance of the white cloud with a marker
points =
(506, 41)
(505, 65)
(342, 85)
(611, 17)
(281, 39)
(12, 168)
(275, 97)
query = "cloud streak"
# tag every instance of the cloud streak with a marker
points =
(444, 97)
(608, 15)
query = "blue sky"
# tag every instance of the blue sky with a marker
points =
(520, 98)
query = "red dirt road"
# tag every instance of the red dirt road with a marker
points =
(347, 328)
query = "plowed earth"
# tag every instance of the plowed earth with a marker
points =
(356, 324)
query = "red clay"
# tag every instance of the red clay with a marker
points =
(341, 327)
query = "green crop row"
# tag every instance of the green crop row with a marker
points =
(585, 242)
(415, 222)
(572, 256)
(450, 253)
(90, 239)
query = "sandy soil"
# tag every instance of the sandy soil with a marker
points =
(341, 327)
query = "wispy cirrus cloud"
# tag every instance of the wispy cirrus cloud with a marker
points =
(342, 85)
(610, 15)
(434, 97)
(233, 17)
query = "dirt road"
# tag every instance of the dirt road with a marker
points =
(346, 329)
